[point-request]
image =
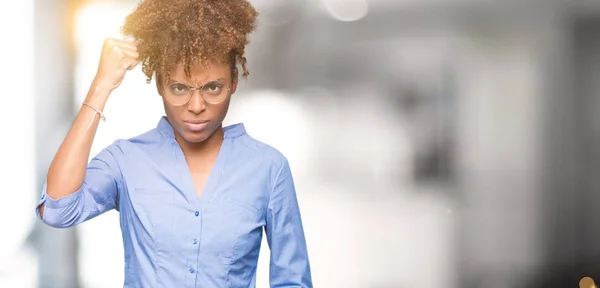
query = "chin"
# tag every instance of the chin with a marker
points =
(195, 137)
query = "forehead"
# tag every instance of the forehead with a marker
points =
(200, 73)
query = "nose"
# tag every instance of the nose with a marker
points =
(196, 104)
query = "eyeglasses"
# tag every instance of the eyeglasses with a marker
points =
(179, 94)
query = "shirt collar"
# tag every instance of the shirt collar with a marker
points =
(165, 128)
(232, 131)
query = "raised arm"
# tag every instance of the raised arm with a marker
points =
(69, 170)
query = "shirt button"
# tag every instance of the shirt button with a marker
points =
(195, 241)
(43, 196)
(197, 213)
(192, 270)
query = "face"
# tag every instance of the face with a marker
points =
(196, 120)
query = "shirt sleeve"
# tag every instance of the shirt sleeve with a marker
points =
(98, 194)
(289, 256)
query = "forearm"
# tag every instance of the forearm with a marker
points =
(67, 171)
(68, 168)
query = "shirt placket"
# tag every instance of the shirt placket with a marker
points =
(193, 246)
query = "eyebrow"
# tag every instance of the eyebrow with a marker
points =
(171, 81)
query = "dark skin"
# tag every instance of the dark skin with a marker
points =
(200, 147)
(68, 169)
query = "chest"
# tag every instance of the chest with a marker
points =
(221, 210)
(199, 171)
(226, 223)
(199, 180)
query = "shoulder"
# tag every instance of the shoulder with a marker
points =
(262, 151)
(148, 142)
(255, 155)
(267, 161)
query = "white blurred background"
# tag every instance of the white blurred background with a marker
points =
(434, 143)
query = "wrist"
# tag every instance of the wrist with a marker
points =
(98, 95)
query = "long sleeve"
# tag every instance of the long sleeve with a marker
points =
(98, 194)
(289, 256)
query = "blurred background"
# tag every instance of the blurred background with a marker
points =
(434, 143)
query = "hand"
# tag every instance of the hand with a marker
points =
(118, 56)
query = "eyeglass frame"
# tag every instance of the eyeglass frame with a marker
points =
(192, 89)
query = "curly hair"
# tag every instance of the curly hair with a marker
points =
(170, 32)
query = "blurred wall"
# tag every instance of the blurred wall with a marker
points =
(53, 78)
(435, 143)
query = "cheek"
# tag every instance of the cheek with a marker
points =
(222, 109)
(167, 107)
(172, 112)
(174, 116)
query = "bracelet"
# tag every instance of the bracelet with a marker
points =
(96, 111)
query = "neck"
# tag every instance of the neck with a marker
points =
(211, 145)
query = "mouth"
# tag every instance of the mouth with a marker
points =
(196, 125)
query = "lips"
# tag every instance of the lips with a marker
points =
(196, 125)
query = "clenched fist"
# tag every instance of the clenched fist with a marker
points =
(117, 57)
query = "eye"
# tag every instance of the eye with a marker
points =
(178, 88)
(213, 88)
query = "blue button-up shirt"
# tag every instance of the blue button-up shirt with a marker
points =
(171, 237)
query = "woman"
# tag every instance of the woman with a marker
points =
(193, 196)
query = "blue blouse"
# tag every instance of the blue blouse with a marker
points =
(172, 237)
